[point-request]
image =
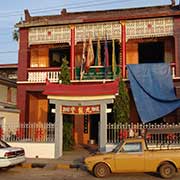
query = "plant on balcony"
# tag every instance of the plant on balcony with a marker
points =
(121, 109)
(64, 76)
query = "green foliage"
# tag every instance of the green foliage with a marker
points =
(15, 35)
(121, 105)
(68, 141)
(65, 74)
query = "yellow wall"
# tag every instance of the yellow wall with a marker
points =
(8, 94)
(39, 57)
(132, 52)
(4, 93)
(169, 50)
(38, 109)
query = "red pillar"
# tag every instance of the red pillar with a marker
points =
(177, 44)
(72, 60)
(23, 55)
(123, 42)
(23, 62)
(22, 103)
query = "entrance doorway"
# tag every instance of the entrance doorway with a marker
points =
(151, 52)
(94, 126)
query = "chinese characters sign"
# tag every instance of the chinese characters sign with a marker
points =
(81, 109)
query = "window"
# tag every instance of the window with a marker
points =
(132, 147)
(151, 52)
(56, 55)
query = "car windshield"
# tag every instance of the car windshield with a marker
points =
(116, 149)
(4, 144)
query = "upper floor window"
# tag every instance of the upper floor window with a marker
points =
(151, 52)
(56, 55)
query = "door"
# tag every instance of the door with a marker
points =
(130, 158)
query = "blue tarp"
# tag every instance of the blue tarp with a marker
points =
(153, 90)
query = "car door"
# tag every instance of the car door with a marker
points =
(130, 158)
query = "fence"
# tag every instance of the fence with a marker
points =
(153, 133)
(31, 132)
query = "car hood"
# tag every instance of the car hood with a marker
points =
(99, 156)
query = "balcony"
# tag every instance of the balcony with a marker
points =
(40, 75)
(94, 74)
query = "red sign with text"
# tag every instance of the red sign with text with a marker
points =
(81, 109)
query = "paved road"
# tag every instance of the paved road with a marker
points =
(69, 174)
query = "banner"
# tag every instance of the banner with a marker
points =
(81, 109)
(90, 54)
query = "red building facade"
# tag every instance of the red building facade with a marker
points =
(138, 37)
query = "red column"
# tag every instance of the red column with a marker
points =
(177, 44)
(72, 60)
(123, 42)
(22, 103)
(23, 62)
(23, 55)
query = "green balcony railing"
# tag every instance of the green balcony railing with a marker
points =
(97, 73)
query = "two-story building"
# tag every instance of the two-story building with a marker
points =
(9, 114)
(113, 38)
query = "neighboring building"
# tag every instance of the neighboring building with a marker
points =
(9, 71)
(140, 35)
(9, 114)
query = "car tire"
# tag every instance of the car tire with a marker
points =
(101, 170)
(167, 170)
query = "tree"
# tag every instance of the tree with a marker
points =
(64, 76)
(68, 140)
(15, 34)
(121, 107)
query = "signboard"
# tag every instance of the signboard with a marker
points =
(81, 109)
(86, 124)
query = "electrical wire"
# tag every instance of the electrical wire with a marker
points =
(71, 6)
(8, 52)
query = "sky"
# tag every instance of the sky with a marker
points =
(12, 11)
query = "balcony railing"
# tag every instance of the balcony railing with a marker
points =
(40, 75)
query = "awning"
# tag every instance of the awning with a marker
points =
(153, 90)
(109, 88)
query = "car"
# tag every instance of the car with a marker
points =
(10, 156)
(133, 155)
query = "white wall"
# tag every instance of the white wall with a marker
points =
(33, 150)
(10, 121)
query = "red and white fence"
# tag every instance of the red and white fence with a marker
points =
(153, 133)
(31, 132)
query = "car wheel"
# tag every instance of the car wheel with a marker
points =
(101, 170)
(167, 170)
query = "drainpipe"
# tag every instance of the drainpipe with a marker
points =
(72, 60)
(123, 42)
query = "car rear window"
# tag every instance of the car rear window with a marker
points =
(3, 144)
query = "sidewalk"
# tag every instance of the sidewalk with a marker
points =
(70, 159)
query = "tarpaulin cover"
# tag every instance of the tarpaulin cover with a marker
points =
(153, 90)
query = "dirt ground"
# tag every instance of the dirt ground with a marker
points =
(19, 173)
